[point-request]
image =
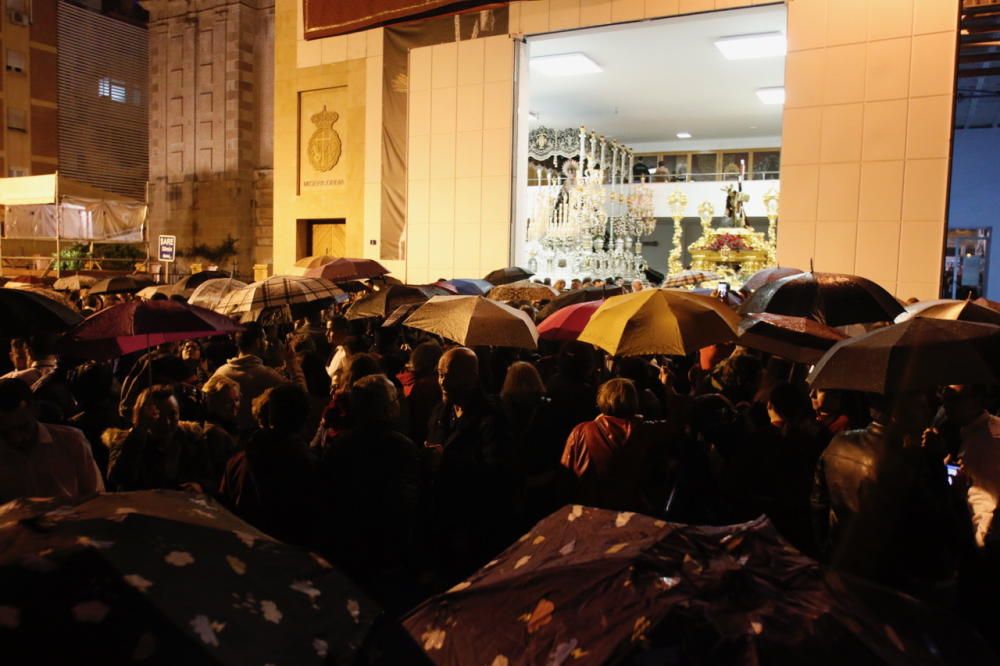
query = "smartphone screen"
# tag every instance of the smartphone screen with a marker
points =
(952, 473)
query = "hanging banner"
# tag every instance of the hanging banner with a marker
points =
(324, 18)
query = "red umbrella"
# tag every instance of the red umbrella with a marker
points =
(129, 327)
(568, 322)
(344, 268)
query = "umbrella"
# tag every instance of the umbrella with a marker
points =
(659, 321)
(568, 322)
(128, 327)
(28, 280)
(795, 338)
(592, 586)
(475, 321)
(187, 284)
(507, 275)
(74, 283)
(384, 302)
(120, 284)
(767, 276)
(24, 313)
(314, 260)
(832, 298)
(579, 296)
(986, 303)
(166, 577)
(147, 293)
(210, 292)
(918, 354)
(343, 269)
(50, 294)
(466, 287)
(523, 290)
(689, 278)
(277, 291)
(400, 313)
(947, 308)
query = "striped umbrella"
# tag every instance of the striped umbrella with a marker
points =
(278, 291)
(689, 278)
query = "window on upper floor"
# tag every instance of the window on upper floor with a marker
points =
(16, 62)
(113, 89)
(17, 119)
(19, 12)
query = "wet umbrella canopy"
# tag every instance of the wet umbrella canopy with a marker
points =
(24, 313)
(831, 298)
(589, 586)
(579, 296)
(384, 302)
(794, 338)
(164, 577)
(507, 275)
(120, 284)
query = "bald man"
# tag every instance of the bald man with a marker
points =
(469, 450)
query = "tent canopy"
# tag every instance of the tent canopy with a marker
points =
(87, 213)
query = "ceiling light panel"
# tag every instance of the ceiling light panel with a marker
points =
(748, 47)
(564, 64)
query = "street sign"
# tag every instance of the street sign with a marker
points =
(168, 248)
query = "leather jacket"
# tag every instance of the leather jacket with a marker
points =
(881, 509)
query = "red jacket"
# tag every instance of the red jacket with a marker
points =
(619, 463)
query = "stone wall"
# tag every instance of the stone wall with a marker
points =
(211, 83)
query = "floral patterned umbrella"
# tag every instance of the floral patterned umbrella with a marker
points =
(590, 586)
(165, 577)
(689, 278)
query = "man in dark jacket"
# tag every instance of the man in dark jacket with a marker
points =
(469, 456)
(880, 503)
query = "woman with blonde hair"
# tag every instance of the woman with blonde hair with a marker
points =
(619, 459)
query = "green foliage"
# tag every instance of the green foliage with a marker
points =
(113, 256)
(215, 254)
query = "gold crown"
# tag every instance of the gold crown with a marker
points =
(325, 119)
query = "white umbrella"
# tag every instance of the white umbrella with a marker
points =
(209, 293)
(147, 293)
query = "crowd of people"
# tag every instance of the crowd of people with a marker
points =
(411, 461)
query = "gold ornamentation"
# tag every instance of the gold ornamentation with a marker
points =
(324, 144)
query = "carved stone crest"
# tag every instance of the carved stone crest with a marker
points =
(324, 144)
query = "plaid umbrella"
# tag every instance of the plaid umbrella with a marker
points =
(795, 338)
(277, 291)
(120, 284)
(590, 587)
(128, 327)
(523, 290)
(343, 269)
(187, 284)
(165, 577)
(475, 321)
(210, 292)
(568, 322)
(918, 354)
(74, 283)
(384, 302)
(689, 278)
(24, 313)
(507, 275)
(833, 298)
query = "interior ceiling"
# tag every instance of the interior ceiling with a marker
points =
(977, 95)
(663, 77)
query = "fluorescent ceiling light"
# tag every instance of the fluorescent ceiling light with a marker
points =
(684, 135)
(565, 64)
(774, 95)
(746, 47)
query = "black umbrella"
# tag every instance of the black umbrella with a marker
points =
(24, 313)
(767, 276)
(797, 339)
(507, 275)
(120, 284)
(186, 285)
(591, 586)
(832, 298)
(920, 353)
(578, 296)
(386, 300)
(165, 577)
